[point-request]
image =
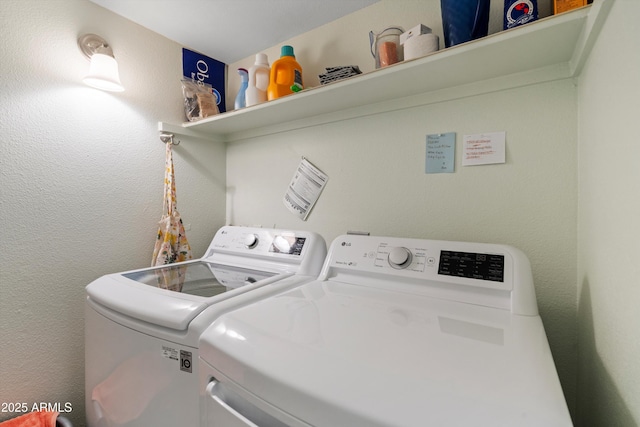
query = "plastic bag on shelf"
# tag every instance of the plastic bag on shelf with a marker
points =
(199, 100)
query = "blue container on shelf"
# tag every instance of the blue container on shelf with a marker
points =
(519, 12)
(464, 20)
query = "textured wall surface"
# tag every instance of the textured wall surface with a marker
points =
(609, 227)
(82, 183)
(377, 184)
(376, 169)
(82, 171)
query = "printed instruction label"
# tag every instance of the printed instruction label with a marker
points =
(169, 353)
(484, 149)
(441, 151)
(304, 189)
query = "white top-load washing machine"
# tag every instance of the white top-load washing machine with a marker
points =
(394, 332)
(142, 327)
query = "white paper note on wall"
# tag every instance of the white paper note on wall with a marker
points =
(304, 189)
(484, 149)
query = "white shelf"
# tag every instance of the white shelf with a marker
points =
(549, 49)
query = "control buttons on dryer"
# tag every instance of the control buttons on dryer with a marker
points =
(251, 241)
(399, 257)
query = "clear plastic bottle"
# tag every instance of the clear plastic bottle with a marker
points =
(244, 82)
(258, 80)
(286, 75)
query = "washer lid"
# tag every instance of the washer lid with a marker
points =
(330, 353)
(200, 278)
(174, 295)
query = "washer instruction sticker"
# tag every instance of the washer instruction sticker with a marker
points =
(184, 357)
(170, 353)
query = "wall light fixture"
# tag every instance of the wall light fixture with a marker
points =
(103, 71)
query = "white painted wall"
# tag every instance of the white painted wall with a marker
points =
(609, 224)
(377, 184)
(81, 188)
(82, 183)
(377, 181)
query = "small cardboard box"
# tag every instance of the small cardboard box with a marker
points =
(202, 68)
(415, 31)
(560, 6)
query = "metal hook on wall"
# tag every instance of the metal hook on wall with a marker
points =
(167, 138)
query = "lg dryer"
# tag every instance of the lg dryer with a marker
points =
(394, 332)
(142, 327)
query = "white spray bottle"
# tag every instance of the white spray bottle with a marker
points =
(241, 97)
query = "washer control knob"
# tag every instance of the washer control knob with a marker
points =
(251, 241)
(400, 257)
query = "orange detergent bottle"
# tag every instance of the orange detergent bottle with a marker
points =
(286, 75)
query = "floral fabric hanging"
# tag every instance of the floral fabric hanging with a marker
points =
(171, 245)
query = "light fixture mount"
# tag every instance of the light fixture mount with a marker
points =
(92, 43)
(103, 69)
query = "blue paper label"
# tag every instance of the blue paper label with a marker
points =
(441, 150)
(204, 69)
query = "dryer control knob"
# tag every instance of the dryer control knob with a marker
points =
(251, 241)
(400, 258)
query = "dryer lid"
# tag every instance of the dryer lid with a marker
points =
(338, 354)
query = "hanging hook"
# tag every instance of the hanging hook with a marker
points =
(167, 138)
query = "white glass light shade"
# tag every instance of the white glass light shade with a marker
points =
(103, 73)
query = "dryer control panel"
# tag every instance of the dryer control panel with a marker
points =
(472, 265)
(467, 271)
(402, 257)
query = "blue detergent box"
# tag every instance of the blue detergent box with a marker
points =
(204, 69)
(519, 12)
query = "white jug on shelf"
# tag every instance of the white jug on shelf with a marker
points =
(258, 80)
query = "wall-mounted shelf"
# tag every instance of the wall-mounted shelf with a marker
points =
(549, 49)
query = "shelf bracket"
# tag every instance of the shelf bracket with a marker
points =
(175, 130)
(598, 13)
(167, 138)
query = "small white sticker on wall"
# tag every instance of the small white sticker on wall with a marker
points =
(484, 149)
